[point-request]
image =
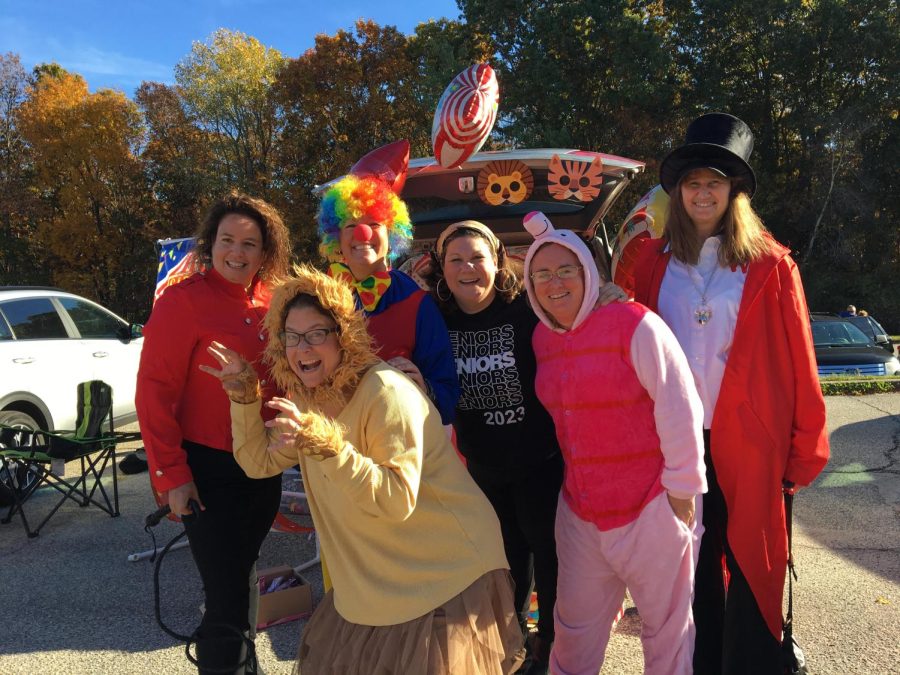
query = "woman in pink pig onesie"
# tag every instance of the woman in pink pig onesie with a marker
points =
(629, 422)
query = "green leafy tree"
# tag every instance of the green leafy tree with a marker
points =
(817, 81)
(225, 83)
(177, 158)
(597, 75)
(592, 74)
(439, 50)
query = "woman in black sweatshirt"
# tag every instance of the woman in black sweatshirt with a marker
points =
(505, 434)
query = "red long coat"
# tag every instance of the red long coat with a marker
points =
(769, 420)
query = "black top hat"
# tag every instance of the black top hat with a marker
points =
(716, 141)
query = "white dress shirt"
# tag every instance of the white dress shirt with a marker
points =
(705, 345)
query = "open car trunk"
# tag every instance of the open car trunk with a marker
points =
(437, 197)
(493, 188)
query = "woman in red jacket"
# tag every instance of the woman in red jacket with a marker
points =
(184, 415)
(733, 297)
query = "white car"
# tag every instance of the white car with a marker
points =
(51, 341)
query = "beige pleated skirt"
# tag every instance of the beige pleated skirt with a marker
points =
(473, 633)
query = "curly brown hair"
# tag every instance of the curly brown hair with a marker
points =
(507, 283)
(275, 235)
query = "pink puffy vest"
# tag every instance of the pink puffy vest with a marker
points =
(603, 416)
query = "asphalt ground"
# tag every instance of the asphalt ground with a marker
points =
(73, 603)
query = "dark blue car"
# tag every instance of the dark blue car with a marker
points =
(843, 349)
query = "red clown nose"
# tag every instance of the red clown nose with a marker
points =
(362, 232)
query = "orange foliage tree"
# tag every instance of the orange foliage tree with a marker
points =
(350, 93)
(84, 147)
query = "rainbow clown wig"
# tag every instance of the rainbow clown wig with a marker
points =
(353, 198)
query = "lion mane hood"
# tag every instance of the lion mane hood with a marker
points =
(356, 344)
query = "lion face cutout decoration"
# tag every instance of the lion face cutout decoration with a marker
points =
(505, 182)
(571, 179)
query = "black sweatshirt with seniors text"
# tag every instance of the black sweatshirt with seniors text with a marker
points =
(500, 423)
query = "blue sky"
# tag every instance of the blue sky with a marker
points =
(120, 43)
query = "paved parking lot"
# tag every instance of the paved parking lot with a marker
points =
(74, 604)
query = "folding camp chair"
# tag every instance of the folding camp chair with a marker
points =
(43, 455)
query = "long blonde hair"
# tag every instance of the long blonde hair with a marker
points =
(744, 236)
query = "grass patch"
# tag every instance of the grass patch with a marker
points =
(855, 385)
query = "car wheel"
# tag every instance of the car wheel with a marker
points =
(14, 475)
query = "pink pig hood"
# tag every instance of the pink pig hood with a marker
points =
(543, 232)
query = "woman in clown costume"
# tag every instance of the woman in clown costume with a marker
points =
(363, 227)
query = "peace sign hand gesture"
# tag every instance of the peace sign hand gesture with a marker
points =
(237, 375)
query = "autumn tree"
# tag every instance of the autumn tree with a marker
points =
(19, 207)
(177, 158)
(87, 172)
(225, 83)
(349, 94)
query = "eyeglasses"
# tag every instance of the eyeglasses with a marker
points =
(316, 336)
(564, 272)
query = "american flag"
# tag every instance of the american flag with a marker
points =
(176, 263)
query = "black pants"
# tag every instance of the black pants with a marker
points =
(526, 507)
(225, 541)
(732, 636)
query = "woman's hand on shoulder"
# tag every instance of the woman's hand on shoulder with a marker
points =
(609, 292)
(410, 369)
(237, 375)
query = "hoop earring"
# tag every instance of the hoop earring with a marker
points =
(508, 287)
(437, 290)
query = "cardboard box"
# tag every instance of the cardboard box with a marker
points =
(281, 606)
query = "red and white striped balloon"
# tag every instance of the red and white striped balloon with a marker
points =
(465, 115)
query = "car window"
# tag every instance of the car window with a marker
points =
(34, 319)
(91, 321)
(832, 333)
(5, 332)
(879, 329)
(861, 322)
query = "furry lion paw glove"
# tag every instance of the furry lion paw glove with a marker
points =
(243, 387)
(320, 438)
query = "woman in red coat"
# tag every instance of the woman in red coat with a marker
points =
(733, 297)
(243, 248)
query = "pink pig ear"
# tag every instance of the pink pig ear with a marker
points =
(537, 224)
(389, 163)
